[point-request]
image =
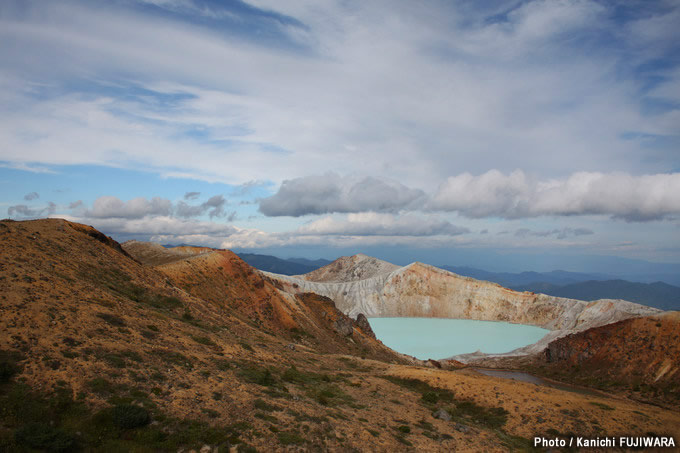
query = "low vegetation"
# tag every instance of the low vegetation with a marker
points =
(55, 422)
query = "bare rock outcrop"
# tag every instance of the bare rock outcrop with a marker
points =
(350, 268)
(421, 290)
(364, 325)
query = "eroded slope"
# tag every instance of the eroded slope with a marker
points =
(420, 290)
(88, 331)
(350, 268)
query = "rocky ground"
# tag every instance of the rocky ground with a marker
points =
(637, 357)
(103, 352)
(420, 290)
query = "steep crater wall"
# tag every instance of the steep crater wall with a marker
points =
(420, 290)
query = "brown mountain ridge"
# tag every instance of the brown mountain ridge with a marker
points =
(110, 348)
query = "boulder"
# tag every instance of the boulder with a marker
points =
(344, 326)
(441, 414)
(362, 323)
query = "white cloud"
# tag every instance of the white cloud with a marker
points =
(158, 225)
(333, 193)
(106, 207)
(22, 211)
(490, 194)
(214, 207)
(399, 90)
(113, 207)
(561, 233)
(620, 195)
(402, 90)
(375, 224)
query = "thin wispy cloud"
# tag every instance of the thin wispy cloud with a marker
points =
(515, 90)
(328, 123)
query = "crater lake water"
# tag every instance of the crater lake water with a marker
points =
(437, 338)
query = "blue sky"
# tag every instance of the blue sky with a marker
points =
(494, 133)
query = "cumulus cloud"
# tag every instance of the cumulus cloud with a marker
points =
(24, 211)
(149, 226)
(561, 233)
(248, 186)
(31, 196)
(140, 207)
(192, 195)
(163, 229)
(333, 193)
(492, 194)
(376, 224)
(214, 207)
(620, 195)
(137, 208)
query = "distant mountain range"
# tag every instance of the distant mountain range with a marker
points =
(581, 286)
(316, 264)
(572, 285)
(658, 295)
(295, 266)
(509, 279)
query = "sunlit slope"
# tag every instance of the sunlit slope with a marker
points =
(208, 356)
(420, 290)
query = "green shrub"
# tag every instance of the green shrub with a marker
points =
(148, 334)
(115, 360)
(8, 366)
(267, 417)
(203, 340)
(492, 417)
(290, 438)
(602, 405)
(210, 412)
(296, 376)
(404, 429)
(112, 319)
(428, 392)
(246, 346)
(174, 358)
(265, 406)
(129, 416)
(101, 386)
(329, 395)
(430, 397)
(400, 437)
(44, 437)
(256, 375)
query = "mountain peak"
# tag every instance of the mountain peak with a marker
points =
(351, 268)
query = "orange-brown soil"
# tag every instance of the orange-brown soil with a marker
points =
(639, 356)
(201, 336)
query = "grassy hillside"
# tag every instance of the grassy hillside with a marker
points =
(102, 351)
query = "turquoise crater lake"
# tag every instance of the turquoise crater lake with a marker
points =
(437, 338)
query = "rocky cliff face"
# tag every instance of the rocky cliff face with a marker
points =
(420, 290)
(640, 354)
(202, 346)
